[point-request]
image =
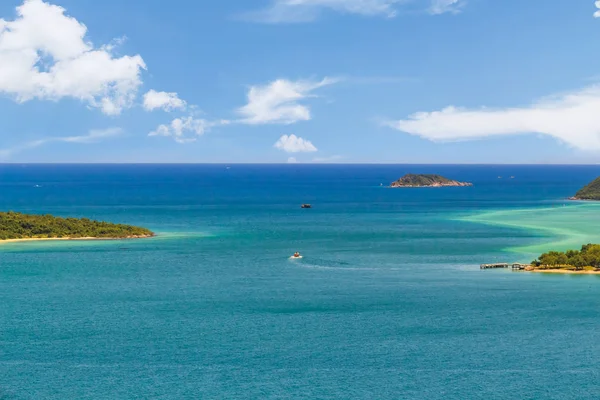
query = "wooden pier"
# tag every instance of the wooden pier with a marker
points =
(520, 267)
(514, 266)
(491, 266)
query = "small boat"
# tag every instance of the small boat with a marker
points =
(296, 256)
(306, 206)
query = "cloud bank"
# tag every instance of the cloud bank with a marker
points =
(44, 55)
(572, 118)
(277, 102)
(294, 144)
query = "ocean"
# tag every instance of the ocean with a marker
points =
(387, 303)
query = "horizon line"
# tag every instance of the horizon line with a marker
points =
(293, 164)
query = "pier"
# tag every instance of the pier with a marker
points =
(514, 266)
(491, 266)
(520, 267)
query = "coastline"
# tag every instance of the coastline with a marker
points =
(565, 271)
(427, 186)
(5, 241)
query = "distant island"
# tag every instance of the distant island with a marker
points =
(589, 192)
(17, 226)
(414, 180)
(586, 260)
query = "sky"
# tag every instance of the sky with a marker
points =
(304, 81)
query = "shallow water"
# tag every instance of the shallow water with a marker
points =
(567, 226)
(388, 301)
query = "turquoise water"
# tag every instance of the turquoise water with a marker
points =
(388, 303)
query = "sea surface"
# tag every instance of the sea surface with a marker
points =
(387, 303)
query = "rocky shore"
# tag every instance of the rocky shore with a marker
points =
(413, 180)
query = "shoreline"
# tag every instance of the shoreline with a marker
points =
(6, 241)
(565, 271)
(427, 186)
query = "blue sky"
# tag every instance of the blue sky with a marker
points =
(412, 81)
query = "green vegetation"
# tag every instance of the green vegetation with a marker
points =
(586, 258)
(426, 180)
(589, 192)
(23, 226)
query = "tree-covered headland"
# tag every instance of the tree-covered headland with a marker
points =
(589, 192)
(15, 225)
(586, 258)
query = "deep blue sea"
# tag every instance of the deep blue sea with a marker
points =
(387, 303)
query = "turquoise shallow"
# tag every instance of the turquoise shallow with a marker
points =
(388, 302)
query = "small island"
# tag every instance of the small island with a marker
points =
(586, 260)
(589, 192)
(414, 180)
(17, 227)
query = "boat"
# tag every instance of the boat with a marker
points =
(306, 206)
(296, 256)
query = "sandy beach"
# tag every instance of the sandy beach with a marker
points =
(5, 241)
(565, 271)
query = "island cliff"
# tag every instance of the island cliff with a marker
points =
(589, 192)
(414, 180)
(17, 226)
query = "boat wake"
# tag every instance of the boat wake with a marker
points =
(333, 265)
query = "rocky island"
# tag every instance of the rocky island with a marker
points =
(414, 180)
(589, 192)
(16, 227)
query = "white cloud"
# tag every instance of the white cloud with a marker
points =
(187, 129)
(446, 6)
(296, 11)
(164, 100)
(294, 144)
(292, 160)
(278, 102)
(93, 136)
(573, 118)
(282, 11)
(44, 55)
(597, 13)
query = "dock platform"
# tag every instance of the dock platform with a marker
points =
(496, 265)
(514, 266)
